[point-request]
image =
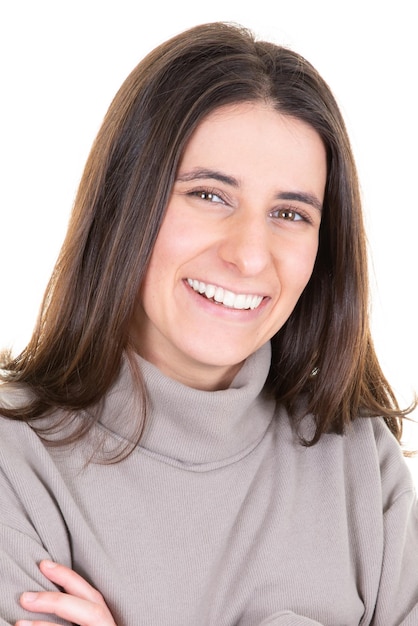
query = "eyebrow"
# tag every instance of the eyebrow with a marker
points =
(199, 173)
(301, 196)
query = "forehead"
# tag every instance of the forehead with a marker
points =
(254, 109)
(256, 119)
(254, 142)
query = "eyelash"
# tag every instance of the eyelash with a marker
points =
(207, 195)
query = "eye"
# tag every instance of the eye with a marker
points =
(209, 196)
(289, 215)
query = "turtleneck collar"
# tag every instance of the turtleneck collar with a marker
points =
(193, 428)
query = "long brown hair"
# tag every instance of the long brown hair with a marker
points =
(324, 351)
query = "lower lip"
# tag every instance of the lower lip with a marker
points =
(216, 308)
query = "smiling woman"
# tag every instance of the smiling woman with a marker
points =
(199, 431)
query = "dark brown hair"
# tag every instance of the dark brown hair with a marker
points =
(324, 351)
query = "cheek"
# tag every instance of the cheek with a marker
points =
(179, 241)
(157, 272)
(296, 264)
(308, 262)
(176, 244)
(163, 256)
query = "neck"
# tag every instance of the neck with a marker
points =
(194, 427)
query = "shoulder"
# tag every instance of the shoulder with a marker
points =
(13, 433)
(22, 450)
(13, 395)
(372, 437)
(367, 456)
(372, 449)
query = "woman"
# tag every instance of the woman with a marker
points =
(199, 427)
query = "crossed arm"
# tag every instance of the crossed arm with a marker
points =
(81, 604)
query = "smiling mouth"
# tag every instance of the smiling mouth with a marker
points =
(224, 296)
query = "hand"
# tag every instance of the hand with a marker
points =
(80, 604)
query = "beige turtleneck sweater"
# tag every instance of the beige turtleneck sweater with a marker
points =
(219, 518)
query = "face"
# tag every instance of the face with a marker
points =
(237, 245)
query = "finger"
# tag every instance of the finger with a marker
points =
(69, 580)
(70, 608)
(25, 622)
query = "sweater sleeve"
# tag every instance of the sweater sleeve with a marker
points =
(19, 555)
(392, 597)
(398, 589)
(397, 594)
(32, 527)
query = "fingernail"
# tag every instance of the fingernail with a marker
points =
(29, 596)
(49, 564)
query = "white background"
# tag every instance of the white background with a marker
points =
(62, 62)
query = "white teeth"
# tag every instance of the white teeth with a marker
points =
(230, 299)
(226, 297)
(209, 291)
(219, 295)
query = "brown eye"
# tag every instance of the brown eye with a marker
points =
(208, 196)
(288, 214)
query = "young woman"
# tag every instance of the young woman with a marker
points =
(199, 431)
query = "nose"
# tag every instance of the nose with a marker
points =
(245, 245)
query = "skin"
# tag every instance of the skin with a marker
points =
(244, 215)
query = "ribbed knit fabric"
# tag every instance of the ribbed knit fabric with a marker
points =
(219, 518)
